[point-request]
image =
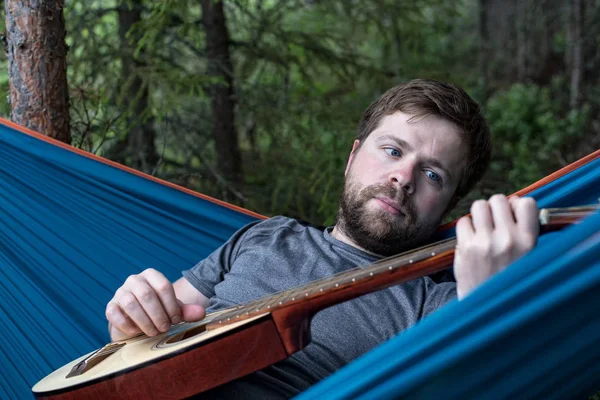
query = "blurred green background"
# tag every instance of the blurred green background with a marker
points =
(143, 76)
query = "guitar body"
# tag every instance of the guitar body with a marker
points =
(173, 365)
(231, 343)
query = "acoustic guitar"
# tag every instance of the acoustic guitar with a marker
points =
(194, 357)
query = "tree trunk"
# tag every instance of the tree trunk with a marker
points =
(522, 39)
(575, 50)
(484, 44)
(139, 151)
(37, 66)
(220, 68)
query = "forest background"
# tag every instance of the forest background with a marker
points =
(257, 102)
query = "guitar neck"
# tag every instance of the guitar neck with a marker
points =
(261, 333)
(552, 219)
(317, 295)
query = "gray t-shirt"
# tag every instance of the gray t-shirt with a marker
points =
(280, 253)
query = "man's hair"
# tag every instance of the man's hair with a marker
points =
(423, 97)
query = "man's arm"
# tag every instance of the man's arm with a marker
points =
(149, 303)
(188, 294)
(498, 232)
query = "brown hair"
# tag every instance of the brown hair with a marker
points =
(423, 97)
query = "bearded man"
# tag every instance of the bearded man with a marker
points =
(420, 148)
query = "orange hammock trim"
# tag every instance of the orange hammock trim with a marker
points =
(544, 181)
(84, 153)
(550, 178)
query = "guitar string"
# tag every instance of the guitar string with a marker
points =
(343, 278)
(281, 298)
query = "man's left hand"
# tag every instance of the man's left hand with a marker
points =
(498, 232)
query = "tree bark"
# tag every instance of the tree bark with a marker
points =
(140, 150)
(522, 39)
(484, 44)
(220, 69)
(37, 66)
(575, 50)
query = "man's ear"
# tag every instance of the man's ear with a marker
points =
(351, 157)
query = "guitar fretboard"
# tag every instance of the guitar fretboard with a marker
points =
(327, 285)
(354, 277)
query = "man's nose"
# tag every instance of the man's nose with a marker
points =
(403, 177)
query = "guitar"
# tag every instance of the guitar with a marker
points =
(194, 357)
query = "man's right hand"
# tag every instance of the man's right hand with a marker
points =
(148, 303)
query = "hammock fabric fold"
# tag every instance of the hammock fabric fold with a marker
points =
(531, 332)
(73, 226)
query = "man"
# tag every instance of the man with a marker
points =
(419, 149)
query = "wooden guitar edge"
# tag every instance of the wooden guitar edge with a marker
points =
(239, 353)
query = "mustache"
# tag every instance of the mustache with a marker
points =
(398, 196)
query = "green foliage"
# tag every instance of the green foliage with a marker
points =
(4, 104)
(303, 72)
(532, 130)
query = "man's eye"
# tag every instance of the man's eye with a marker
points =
(392, 151)
(433, 176)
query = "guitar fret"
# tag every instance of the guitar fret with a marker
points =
(260, 304)
(284, 299)
(275, 301)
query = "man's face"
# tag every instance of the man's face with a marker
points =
(399, 183)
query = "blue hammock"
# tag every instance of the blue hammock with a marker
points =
(72, 228)
(531, 332)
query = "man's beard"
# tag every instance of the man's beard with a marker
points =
(379, 231)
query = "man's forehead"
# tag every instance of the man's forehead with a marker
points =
(411, 129)
(431, 135)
